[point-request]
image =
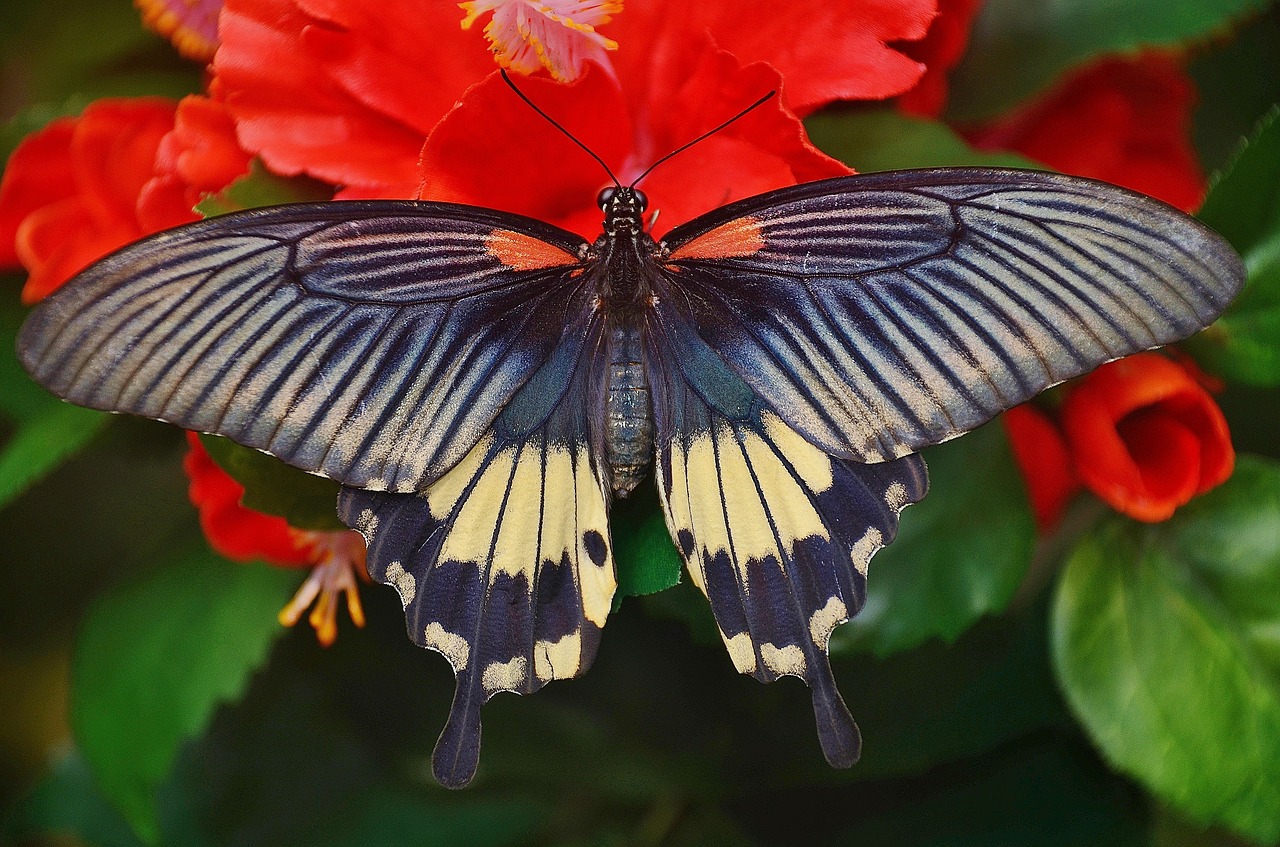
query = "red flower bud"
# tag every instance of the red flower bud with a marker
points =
(1042, 457)
(1146, 437)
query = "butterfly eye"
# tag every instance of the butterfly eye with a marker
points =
(642, 202)
(605, 197)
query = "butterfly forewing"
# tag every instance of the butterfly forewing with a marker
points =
(370, 342)
(879, 314)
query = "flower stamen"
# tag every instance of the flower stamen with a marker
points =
(559, 35)
(340, 563)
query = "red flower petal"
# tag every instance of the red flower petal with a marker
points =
(1041, 454)
(91, 169)
(826, 51)
(344, 91)
(39, 173)
(234, 531)
(546, 176)
(939, 51)
(199, 156)
(1120, 120)
(59, 240)
(1145, 437)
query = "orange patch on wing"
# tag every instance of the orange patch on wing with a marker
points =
(526, 253)
(738, 237)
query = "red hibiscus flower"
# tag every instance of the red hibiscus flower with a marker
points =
(1146, 437)
(346, 93)
(1141, 433)
(70, 191)
(336, 558)
(82, 187)
(1126, 121)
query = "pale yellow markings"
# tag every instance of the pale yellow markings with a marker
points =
(868, 416)
(597, 584)
(558, 659)
(443, 494)
(864, 548)
(823, 621)
(706, 515)
(505, 676)
(741, 651)
(450, 645)
(367, 523)
(403, 582)
(895, 496)
(675, 508)
(788, 504)
(812, 464)
(472, 533)
(517, 548)
(784, 660)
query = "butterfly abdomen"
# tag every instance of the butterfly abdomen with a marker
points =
(628, 411)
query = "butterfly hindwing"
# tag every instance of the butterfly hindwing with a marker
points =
(504, 563)
(775, 532)
(882, 313)
(371, 342)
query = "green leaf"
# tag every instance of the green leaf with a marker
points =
(67, 801)
(47, 431)
(1164, 644)
(1230, 539)
(20, 398)
(154, 660)
(42, 443)
(1018, 47)
(885, 139)
(642, 550)
(261, 187)
(1244, 205)
(304, 500)
(960, 553)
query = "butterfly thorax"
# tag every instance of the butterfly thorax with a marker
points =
(624, 251)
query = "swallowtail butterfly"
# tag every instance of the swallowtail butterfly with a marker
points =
(482, 384)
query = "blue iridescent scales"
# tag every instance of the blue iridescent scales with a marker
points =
(449, 365)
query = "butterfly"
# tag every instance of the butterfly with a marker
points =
(482, 385)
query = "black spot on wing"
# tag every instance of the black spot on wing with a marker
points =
(596, 547)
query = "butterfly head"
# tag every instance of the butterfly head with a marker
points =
(623, 208)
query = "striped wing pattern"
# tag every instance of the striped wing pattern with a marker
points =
(776, 533)
(504, 563)
(880, 314)
(373, 343)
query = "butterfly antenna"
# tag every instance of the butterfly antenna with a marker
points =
(552, 121)
(706, 135)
